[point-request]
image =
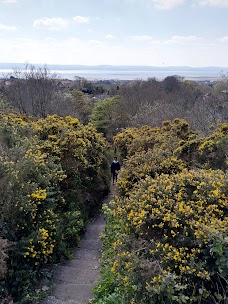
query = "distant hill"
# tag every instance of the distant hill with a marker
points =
(116, 67)
(122, 72)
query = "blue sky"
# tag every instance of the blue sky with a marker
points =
(116, 32)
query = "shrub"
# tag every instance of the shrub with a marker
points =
(173, 247)
(48, 170)
(147, 163)
(166, 237)
(208, 152)
(4, 246)
(166, 137)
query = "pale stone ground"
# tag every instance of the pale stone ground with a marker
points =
(75, 279)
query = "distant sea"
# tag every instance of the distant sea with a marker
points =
(125, 72)
(133, 75)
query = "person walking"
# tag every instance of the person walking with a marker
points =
(115, 168)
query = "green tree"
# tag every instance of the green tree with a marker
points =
(4, 105)
(107, 116)
(82, 105)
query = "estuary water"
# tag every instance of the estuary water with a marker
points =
(132, 75)
(93, 74)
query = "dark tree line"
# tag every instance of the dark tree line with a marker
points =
(151, 102)
(33, 91)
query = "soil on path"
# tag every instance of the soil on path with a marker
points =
(75, 279)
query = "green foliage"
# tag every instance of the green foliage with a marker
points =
(82, 105)
(166, 235)
(107, 116)
(166, 137)
(47, 173)
(4, 105)
(4, 247)
(107, 289)
(207, 152)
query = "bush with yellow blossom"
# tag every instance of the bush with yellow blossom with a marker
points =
(166, 235)
(48, 170)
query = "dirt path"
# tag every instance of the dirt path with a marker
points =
(75, 280)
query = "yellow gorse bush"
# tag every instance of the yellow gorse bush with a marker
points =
(166, 239)
(177, 226)
(166, 137)
(50, 167)
(39, 194)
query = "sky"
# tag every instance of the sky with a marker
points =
(115, 32)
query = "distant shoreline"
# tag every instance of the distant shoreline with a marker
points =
(111, 67)
(124, 72)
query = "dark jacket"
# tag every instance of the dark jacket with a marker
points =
(115, 166)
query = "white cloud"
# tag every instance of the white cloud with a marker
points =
(94, 52)
(9, 1)
(96, 43)
(110, 36)
(223, 39)
(183, 39)
(215, 3)
(50, 23)
(146, 40)
(159, 4)
(81, 19)
(4, 27)
(167, 4)
(141, 38)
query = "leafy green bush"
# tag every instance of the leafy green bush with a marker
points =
(167, 241)
(48, 170)
(166, 237)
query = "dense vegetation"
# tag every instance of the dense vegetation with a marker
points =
(166, 234)
(37, 92)
(53, 176)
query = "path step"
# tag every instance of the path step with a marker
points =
(82, 264)
(77, 292)
(87, 255)
(66, 274)
(90, 244)
(75, 280)
(53, 300)
(94, 230)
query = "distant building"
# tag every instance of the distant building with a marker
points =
(224, 91)
(5, 83)
(64, 84)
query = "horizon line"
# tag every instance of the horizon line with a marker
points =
(112, 65)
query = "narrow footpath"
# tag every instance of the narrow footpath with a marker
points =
(75, 279)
